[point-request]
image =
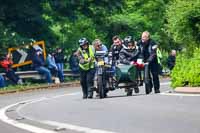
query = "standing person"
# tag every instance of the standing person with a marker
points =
(171, 60)
(6, 62)
(59, 58)
(74, 63)
(86, 65)
(148, 52)
(39, 65)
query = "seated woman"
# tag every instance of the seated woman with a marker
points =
(6, 64)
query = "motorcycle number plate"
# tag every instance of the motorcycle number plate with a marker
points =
(100, 63)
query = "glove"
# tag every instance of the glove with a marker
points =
(133, 63)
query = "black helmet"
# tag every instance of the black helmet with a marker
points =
(127, 40)
(83, 41)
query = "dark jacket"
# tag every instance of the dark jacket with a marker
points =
(59, 57)
(147, 53)
(38, 61)
(171, 62)
(74, 63)
(127, 55)
(115, 52)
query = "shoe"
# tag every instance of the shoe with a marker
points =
(84, 96)
(157, 91)
(90, 97)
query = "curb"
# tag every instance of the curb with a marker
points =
(188, 90)
(52, 86)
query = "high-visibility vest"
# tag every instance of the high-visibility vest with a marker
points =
(159, 55)
(85, 55)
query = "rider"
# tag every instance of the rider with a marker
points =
(128, 55)
(86, 65)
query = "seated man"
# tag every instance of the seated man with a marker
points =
(6, 64)
(39, 65)
(128, 55)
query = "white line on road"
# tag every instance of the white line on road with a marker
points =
(35, 129)
(20, 125)
(179, 94)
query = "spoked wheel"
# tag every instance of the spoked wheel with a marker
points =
(100, 86)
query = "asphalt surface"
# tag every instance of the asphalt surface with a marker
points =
(63, 110)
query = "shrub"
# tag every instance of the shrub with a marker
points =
(187, 69)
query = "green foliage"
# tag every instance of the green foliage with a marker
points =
(186, 71)
(183, 18)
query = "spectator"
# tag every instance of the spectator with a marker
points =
(39, 65)
(171, 60)
(51, 64)
(74, 62)
(59, 58)
(6, 63)
(2, 81)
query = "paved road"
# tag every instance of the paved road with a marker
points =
(63, 110)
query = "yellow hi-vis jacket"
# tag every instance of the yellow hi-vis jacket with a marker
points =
(87, 65)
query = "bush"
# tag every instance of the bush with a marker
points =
(186, 71)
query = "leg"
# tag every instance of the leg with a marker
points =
(60, 71)
(2, 81)
(12, 76)
(83, 81)
(147, 79)
(90, 82)
(155, 75)
(46, 72)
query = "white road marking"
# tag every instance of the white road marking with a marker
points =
(76, 128)
(179, 94)
(18, 124)
(165, 83)
(35, 129)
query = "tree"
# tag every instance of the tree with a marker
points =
(183, 19)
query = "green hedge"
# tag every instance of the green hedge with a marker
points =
(187, 69)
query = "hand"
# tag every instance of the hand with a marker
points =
(81, 61)
(89, 59)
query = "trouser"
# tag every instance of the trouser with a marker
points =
(10, 74)
(153, 73)
(2, 81)
(60, 67)
(87, 81)
(46, 72)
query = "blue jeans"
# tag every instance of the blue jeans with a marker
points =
(2, 81)
(60, 67)
(46, 72)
